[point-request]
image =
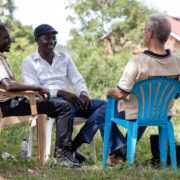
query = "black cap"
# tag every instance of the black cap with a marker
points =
(44, 29)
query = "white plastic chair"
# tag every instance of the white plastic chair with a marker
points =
(50, 122)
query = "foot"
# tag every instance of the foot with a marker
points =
(65, 158)
(113, 160)
(117, 156)
(80, 157)
(121, 151)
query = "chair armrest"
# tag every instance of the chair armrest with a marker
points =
(29, 94)
(110, 107)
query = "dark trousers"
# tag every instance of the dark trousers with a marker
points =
(19, 106)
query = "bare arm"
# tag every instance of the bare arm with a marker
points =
(15, 87)
(116, 94)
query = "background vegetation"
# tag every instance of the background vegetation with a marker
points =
(118, 21)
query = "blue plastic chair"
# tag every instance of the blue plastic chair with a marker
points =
(154, 96)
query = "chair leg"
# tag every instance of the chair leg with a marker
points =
(163, 145)
(132, 132)
(49, 127)
(107, 132)
(41, 124)
(172, 145)
(31, 141)
(93, 151)
(1, 121)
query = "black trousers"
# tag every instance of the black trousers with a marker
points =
(60, 110)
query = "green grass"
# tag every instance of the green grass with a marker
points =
(29, 168)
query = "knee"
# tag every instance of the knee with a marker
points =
(101, 113)
(67, 107)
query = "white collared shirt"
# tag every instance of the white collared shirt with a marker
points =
(37, 71)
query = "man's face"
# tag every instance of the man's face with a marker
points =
(5, 40)
(47, 43)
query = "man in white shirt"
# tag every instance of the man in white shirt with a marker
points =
(52, 70)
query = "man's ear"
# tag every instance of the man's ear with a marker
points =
(150, 34)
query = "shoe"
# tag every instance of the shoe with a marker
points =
(122, 151)
(65, 158)
(113, 160)
(80, 157)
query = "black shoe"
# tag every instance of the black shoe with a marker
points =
(81, 158)
(65, 158)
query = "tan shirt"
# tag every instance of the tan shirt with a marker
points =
(144, 66)
(5, 72)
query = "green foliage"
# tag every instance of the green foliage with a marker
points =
(23, 44)
(22, 37)
(99, 18)
(100, 72)
(7, 8)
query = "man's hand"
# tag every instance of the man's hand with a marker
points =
(71, 98)
(43, 94)
(85, 100)
(115, 93)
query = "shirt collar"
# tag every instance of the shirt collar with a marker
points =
(37, 55)
(152, 54)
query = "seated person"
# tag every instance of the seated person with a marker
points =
(154, 62)
(17, 106)
(52, 70)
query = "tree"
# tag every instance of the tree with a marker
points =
(7, 8)
(99, 18)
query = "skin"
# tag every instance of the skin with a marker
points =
(5, 40)
(153, 45)
(8, 84)
(46, 45)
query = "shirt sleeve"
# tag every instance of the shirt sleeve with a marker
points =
(3, 72)
(74, 78)
(29, 74)
(128, 78)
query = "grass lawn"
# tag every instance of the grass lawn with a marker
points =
(29, 168)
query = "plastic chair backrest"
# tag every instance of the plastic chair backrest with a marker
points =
(154, 96)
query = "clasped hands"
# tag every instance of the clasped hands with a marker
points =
(82, 101)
